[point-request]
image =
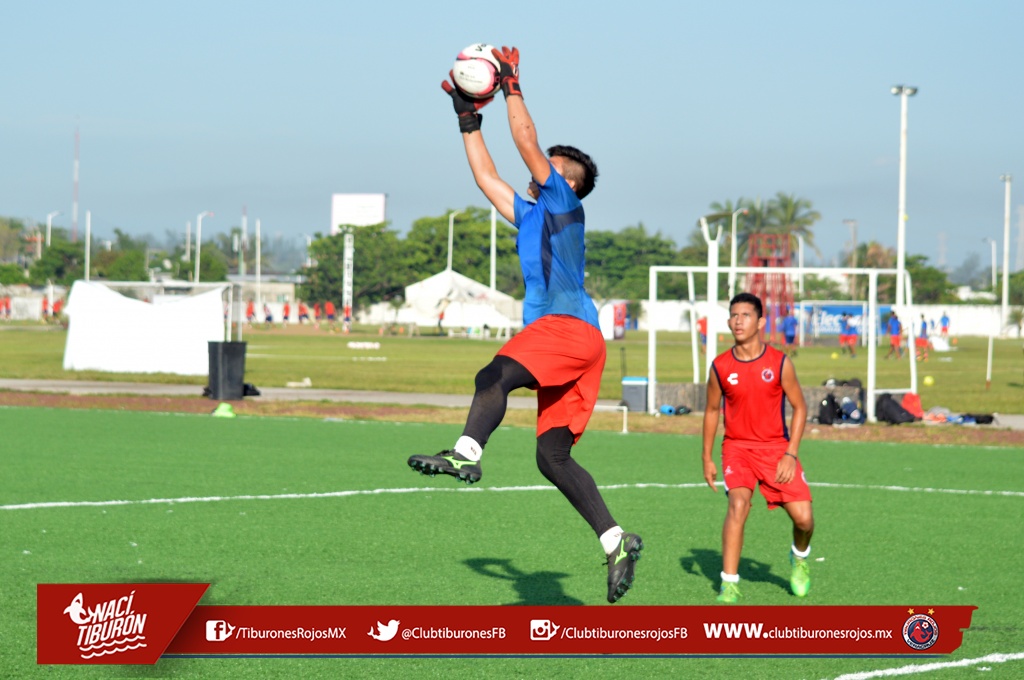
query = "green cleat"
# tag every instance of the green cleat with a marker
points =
(448, 463)
(622, 565)
(730, 593)
(800, 579)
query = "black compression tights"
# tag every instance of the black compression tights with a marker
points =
(554, 448)
(554, 458)
(493, 384)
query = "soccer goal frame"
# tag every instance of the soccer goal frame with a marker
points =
(872, 322)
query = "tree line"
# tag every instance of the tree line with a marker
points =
(386, 261)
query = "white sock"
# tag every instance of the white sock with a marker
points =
(467, 447)
(730, 578)
(610, 539)
(802, 555)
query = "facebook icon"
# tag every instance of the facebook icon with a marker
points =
(218, 631)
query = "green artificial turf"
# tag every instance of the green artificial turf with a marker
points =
(890, 530)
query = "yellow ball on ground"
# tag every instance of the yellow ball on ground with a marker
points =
(929, 381)
(835, 355)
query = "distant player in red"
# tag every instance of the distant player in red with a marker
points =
(303, 312)
(702, 328)
(46, 309)
(316, 315)
(329, 310)
(286, 312)
(250, 312)
(758, 450)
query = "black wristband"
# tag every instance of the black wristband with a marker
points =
(511, 87)
(787, 453)
(470, 122)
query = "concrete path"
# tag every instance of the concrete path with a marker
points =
(1012, 421)
(266, 393)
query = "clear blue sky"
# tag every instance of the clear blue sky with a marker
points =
(192, 106)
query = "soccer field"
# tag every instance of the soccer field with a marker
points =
(278, 511)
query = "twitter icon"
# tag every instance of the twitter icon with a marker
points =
(384, 633)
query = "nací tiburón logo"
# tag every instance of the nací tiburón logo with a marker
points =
(108, 627)
(920, 631)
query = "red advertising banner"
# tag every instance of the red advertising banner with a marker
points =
(137, 623)
(720, 631)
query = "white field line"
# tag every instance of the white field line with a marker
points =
(375, 492)
(928, 667)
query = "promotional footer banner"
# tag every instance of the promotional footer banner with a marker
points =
(137, 623)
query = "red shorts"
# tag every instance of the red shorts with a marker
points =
(894, 340)
(748, 468)
(566, 355)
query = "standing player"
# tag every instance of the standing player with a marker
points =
(852, 331)
(560, 352)
(922, 343)
(329, 311)
(758, 450)
(895, 330)
(790, 325)
(944, 325)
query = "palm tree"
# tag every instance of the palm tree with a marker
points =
(874, 255)
(795, 217)
(756, 221)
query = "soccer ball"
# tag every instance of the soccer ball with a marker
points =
(835, 355)
(476, 71)
(929, 381)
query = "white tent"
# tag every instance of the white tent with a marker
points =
(111, 332)
(466, 303)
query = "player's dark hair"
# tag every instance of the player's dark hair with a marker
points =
(750, 299)
(581, 168)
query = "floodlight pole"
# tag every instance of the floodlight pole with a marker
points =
(852, 224)
(712, 347)
(1005, 312)
(199, 239)
(904, 92)
(259, 269)
(800, 266)
(451, 236)
(992, 242)
(88, 243)
(49, 225)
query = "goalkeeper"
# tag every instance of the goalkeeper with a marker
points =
(560, 353)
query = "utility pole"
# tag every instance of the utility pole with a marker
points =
(852, 224)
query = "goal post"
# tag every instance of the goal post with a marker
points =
(872, 322)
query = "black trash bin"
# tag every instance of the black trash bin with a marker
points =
(227, 370)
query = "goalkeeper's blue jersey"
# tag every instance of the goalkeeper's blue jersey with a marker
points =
(551, 253)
